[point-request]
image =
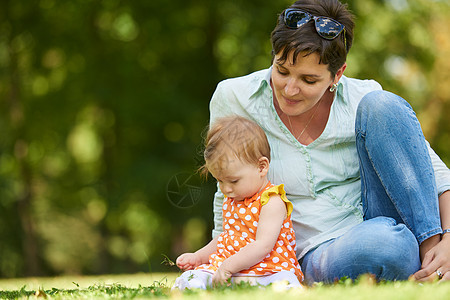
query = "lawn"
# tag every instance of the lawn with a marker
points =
(157, 285)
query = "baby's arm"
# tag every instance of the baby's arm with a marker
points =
(189, 261)
(270, 221)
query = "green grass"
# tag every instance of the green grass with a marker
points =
(157, 286)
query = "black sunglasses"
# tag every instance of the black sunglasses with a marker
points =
(326, 28)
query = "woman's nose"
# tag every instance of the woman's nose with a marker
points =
(291, 88)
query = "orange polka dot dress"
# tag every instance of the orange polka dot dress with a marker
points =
(240, 222)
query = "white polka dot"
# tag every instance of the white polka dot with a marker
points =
(242, 211)
(228, 214)
(255, 223)
(236, 243)
(263, 265)
(292, 260)
(252, 272)
(285, 264)
(279, 250)
(251, 230)
(232, 208)
(239, 205)
(231, 221)
(236, 216)
(220, 238)
(245, 234)
(230, 232)
(286, 225)
(275, 260)
(289, 237)
(286, 254)
(227, 226)
(280, 242)
(289, 247)
(225, 206)
(230, 247)
(254, 210)
(220, 250)
(248, 217)
(237, 228)
(259, 269)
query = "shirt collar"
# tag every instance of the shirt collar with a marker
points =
(340, 89)
(264, 82)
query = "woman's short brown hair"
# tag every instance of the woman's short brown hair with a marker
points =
(305, 40)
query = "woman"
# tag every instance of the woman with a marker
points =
(369, 194)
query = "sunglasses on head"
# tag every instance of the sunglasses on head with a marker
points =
(326, 28)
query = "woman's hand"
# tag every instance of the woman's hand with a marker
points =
(436, 262)
(188, 261)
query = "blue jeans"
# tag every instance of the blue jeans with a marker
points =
(399, 197)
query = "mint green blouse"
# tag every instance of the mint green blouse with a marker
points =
(322, 179)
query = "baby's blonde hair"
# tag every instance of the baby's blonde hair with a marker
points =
(234, 135)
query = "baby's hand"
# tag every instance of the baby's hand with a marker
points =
(221, 277)
(188, 261)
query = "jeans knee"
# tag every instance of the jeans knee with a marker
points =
(382, 101)
(383, 113)
(380, 104)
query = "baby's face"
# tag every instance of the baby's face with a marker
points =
(237, 179)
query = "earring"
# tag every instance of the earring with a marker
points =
(333, 87)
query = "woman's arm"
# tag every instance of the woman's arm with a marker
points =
(437, 257)
(441, 171)
(435, 251)
(270, 221)
(444, 208)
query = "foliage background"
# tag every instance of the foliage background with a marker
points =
(103, 104)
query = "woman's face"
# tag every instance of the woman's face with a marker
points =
(298, 87)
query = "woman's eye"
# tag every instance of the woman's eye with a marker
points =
(282, 72)
(234, 181)
(309, 81)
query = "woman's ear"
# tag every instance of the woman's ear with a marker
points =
(263, 166)
(339, 73)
